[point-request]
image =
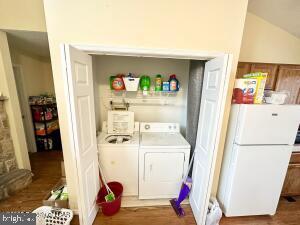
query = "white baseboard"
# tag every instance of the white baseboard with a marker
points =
(75, 211)
(134, 201)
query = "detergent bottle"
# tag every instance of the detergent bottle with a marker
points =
(145, 83)
(158, 82)
(174, 83)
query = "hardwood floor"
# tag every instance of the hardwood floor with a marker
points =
(47, 172)
(288, 213)
(163, 215)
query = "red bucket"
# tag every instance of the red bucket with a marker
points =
(110, 208)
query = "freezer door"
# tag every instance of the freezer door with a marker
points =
(255, 179)
(267, 124)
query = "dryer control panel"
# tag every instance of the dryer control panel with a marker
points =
(159, 127)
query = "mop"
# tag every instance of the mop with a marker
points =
(184, 191)
(110, 195)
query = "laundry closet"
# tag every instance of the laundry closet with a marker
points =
(193, 115)
(153, 156)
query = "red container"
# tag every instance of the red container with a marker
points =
(110, 208)
(239, 97)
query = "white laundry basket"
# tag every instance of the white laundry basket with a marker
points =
(47, 215)
(214, 213)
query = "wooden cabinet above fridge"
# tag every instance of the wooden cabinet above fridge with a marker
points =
(289, 80)
(280, 77)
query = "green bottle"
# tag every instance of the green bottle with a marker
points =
(158, 82)
(145, 83)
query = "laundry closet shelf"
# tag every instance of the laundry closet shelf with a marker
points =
(152, 97)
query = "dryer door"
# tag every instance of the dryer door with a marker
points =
(162, 174)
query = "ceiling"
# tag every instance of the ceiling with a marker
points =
(282, 13)
(29, 41)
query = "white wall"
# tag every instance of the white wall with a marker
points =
(48, 75)
(37, 72)
(265, 42)
(22, 15)
(105, 66)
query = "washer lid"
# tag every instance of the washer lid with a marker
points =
(118, 139)
(105, 139)
(162, 140)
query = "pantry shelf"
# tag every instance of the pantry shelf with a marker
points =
(50, 133)
(46, 121)
(46, 126)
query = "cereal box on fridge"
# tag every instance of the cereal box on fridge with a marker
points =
(261, 82)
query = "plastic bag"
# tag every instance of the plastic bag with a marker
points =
(214, 213)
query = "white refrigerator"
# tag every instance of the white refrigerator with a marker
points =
(256, 156)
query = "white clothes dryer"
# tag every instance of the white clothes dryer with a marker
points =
(163, 160)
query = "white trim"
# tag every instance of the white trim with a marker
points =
(12, 106)
(134, 201)
(31, 142)
(75, 212)
(147, 52)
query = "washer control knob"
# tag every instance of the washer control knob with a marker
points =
(147, 126)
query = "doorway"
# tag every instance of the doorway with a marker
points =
(79, 75)
(32, 76)
(32, 69)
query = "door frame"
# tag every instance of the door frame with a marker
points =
(31, 141)
(148, 52)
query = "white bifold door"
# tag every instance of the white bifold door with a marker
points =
(81, 94)
(209, 126)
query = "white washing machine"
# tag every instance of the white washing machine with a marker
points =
(118, 147)
(163, 160)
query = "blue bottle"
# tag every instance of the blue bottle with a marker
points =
(174, 83)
